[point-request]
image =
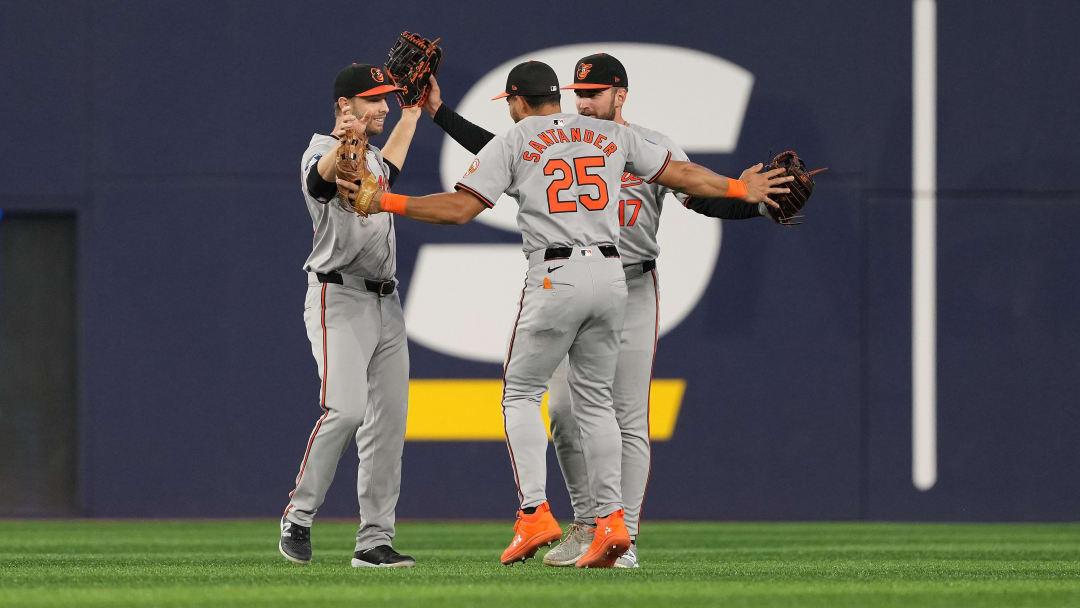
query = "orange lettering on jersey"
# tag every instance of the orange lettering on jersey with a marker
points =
(531, 156)
(610, 149)
(551, 132)
(575, 134)
(600, 137)
(588, 136)
(538, 147)
(562, 137)
(544, 138)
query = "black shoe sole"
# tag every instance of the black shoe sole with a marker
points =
(295, 560)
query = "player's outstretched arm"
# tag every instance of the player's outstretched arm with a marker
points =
(752, 186)
(471, 136)
(726, 208)
(445, 208)
(397, 145)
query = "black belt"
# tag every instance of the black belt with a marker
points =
(646, 266)
(383, 288)
(562, 253)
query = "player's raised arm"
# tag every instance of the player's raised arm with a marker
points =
(346, 121)
(697, 181)
(397, 145)
(471, 136)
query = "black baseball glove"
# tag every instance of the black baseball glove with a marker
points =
(410, 62)
(800, 188)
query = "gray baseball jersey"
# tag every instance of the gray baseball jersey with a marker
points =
(345, 242)
(560, 169)
(565, 171)
(359, 344)
(640, 204)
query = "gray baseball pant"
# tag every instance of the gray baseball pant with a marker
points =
(633, 375)
(580, 316)
(358, 340)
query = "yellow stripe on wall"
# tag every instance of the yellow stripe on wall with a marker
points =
(470, 410)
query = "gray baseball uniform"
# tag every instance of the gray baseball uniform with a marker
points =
(565, 171)
(357, 332)
(640, 205)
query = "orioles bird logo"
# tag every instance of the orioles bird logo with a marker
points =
(376, 74)
(583, 70)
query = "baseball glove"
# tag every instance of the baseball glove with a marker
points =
(800, 189)
(410, 62)
(352, 167)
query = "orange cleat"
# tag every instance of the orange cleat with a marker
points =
(532, 531)
(609, 542)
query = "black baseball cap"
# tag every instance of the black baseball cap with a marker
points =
(599, 71)
(530, 78)
(363, 80)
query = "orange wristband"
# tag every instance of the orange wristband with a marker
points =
(736, 188)
(393, 203)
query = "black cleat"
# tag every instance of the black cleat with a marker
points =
(295, 543)
(382, 556)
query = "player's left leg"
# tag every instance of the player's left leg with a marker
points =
(549, 316)
(380, 442)
(566, 436)
(633, 377)
(593, 360)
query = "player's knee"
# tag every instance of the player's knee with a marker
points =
(351, 418)
(559, 413)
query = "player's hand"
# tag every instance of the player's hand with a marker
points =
(349, 121)
(353, 191)
(434, 97)
(412, 113)
(760, 185)
(339, 127)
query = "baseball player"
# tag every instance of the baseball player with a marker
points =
(356, 328)
(601, 84)
(565, 171)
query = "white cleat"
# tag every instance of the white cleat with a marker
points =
(628, 559)
(573, 545)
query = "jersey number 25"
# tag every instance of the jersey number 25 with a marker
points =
(566, 180)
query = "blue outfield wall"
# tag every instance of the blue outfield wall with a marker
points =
(182, 124)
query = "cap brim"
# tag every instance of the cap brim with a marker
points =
(588, 85)
(379, 90)
(500, 96)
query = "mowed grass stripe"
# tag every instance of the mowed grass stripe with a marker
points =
(235, 563)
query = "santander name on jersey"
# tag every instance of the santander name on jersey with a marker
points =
(556, 136)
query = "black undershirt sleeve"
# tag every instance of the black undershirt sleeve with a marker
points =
(320, 189)
(724, 208)
(472, 137)
(394, 173)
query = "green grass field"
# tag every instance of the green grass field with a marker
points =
(236, 563)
